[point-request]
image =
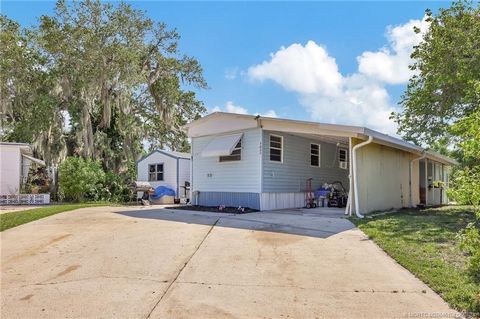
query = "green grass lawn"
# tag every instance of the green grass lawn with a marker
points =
(424, 242)
(9, 220)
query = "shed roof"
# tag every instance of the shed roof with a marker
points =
(24, 147)
(174, 154)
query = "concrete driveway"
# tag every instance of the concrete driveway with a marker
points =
(111, 262)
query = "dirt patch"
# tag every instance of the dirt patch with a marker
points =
(27, 297)
(58, 239)
(67, 270)
(179, 309)
(275, 239)
(216, 209)
(36, 250)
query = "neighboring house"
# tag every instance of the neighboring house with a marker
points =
(15, 162)
(165, 168)
(263, 163)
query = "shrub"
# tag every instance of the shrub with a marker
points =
(470, 243)
(80, 179)
(465, 186)
(115, 188)
(466, 190)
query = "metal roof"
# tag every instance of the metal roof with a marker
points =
(174, 154)
(308, 127)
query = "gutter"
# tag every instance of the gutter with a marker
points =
(355, 182)
(348, 208)
(424, 154)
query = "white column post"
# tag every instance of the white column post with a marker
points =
(426, 181)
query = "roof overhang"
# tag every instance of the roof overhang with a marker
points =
(34, 160)
(434, 156)
(221, 123)
(24, 147)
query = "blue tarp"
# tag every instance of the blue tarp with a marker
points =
(161, 191)
(323, 192)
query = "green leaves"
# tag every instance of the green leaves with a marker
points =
(442, 104)
(113, 73)
(468, 129)
(448, 62)
(80, 179)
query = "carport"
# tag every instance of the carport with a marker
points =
(263, 163)
(381, 170)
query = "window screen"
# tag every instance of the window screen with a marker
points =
(314, 155)
(276, 144)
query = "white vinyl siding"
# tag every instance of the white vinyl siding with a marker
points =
(170, 170)
(183, 175)
(209, 174)
(10, 169)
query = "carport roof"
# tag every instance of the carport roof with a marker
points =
(221, 123)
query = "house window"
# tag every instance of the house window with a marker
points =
(342, 158)
(155, 172)
(315, 155)
(276, 145)
(236, 154)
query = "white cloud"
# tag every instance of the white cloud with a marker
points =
(390, 64)
(269, 113)
(306, 69)
(360, 103)
(231, 73)
(230, 107)
(330, 97)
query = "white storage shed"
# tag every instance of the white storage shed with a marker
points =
(165, 168)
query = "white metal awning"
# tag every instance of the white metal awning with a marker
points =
(35, 160)
(221, 145)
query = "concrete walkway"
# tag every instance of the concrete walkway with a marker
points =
(113, 262)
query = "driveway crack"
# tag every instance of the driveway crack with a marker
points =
(393, 291)
(181, 269)
(45, 283)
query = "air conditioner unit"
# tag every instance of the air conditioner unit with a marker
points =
(343, 165)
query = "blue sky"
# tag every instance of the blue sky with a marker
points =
(316, 76)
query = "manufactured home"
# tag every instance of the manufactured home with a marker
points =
(166, 168)
(263, 163)
(15, 162)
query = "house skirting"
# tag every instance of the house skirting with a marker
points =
(232, 199)
(272, 201)
(260, 201)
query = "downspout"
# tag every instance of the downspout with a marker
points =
(410, 175)
(178, 177)
(355, 182)
(259, 126)
(348, 208)
(192, 192)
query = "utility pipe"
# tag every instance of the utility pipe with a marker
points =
(410, 175)
(355, 182)
(348, 208)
